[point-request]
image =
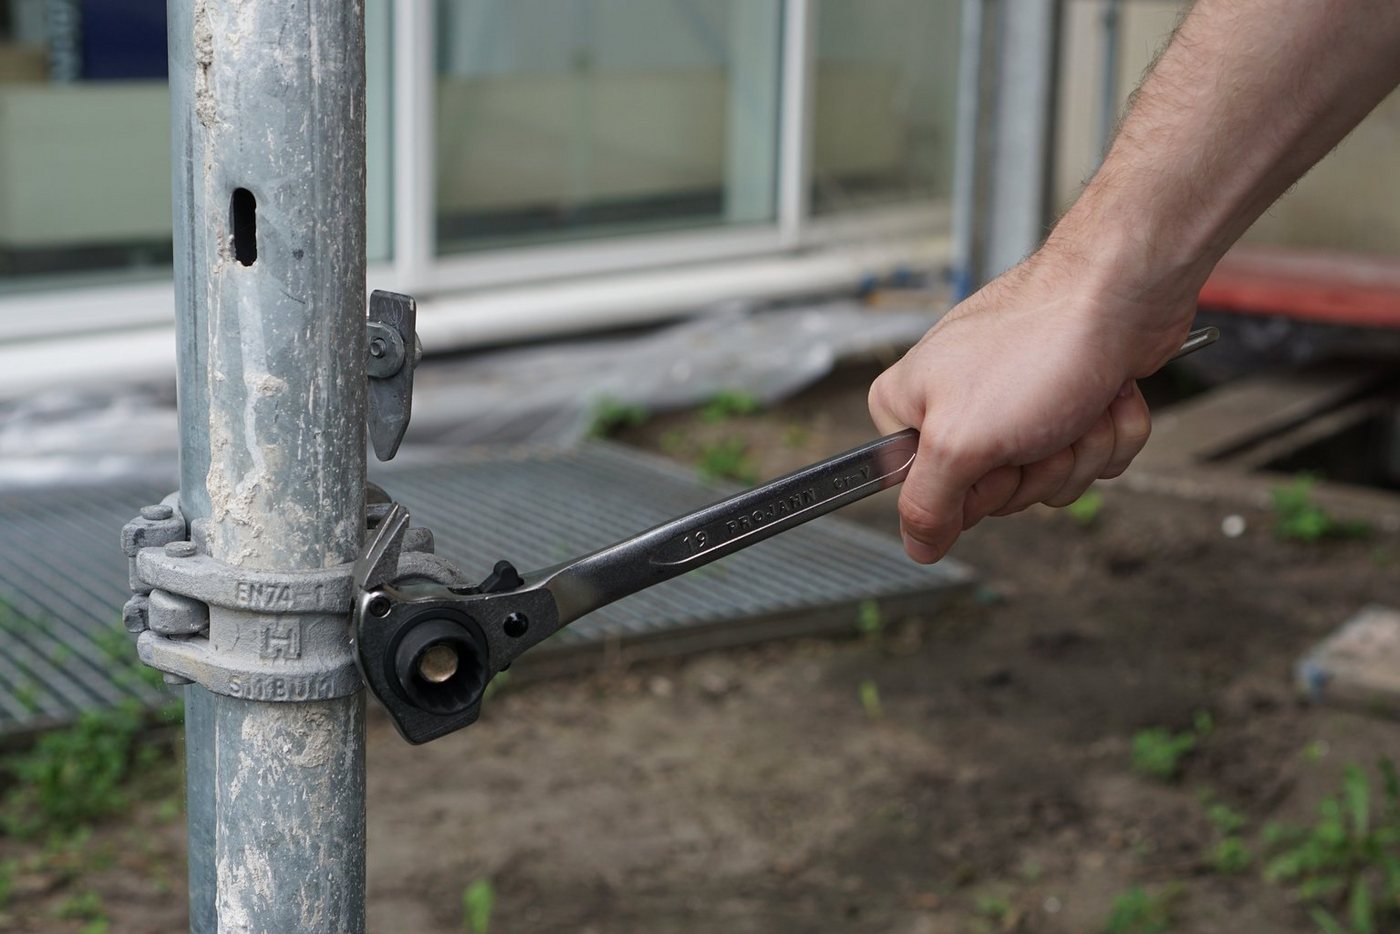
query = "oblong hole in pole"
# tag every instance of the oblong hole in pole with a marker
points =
(243, 218)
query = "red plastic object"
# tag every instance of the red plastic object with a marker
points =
(1330, 287)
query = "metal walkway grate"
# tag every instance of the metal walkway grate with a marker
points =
(63, 579)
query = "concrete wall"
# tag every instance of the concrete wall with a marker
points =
(1350, 201)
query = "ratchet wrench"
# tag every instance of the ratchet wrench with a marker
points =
(427, 650)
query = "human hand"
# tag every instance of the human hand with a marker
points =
(1023, 394)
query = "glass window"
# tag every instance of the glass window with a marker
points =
(85, 140)
(883, 110)
(561, 119)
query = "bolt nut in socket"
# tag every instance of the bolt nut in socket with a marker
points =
(439, 664)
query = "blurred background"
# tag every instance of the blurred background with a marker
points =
(660, 249)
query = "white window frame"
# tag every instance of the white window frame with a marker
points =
(416, 269)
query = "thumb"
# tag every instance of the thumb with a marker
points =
(931, 503)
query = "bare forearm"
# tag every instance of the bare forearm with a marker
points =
(1248, 96)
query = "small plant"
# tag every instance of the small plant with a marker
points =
(478, 902)
(1230, 856)
(611, 416)
(727, 460)
(1138, 911)
(729, 403)
(994, 907)
(73, 775)
(1086, 509)
(1225, 818)
(7, 881)
(870, 622)
(28, 696)
(1314, 751)
(870, 700)
(83, 906)
(1298, 518)
(1349, 857)
(1158, 752)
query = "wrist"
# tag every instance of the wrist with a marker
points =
(1124, 287)
(1130, 256)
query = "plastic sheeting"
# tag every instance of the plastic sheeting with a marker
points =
(545, 393)
(552, 393)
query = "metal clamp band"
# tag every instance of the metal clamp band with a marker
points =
(254, 634)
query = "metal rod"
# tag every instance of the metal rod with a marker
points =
(966, 275)
(269, 145)
(1111, 27)
(1023, 128)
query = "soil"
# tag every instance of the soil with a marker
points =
(753, 791)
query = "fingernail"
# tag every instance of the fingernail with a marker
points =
(922, 552)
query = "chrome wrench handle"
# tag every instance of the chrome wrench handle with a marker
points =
(708, 534)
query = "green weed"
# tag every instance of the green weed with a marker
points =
(1138, 911)
(1225, 818)
(1315, 751)
(28, 696)
(1298, 518)
(727, 460)
(995, 907)
(82, 906)
(7, 880)
(1158, 752)
(478, 901)
(610, 416)
(729, 403)
(870, 700)
(1349, 857)
(870, 622)
(1086, 509)
(1230, 856)
(73, 775)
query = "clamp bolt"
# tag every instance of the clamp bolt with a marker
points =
(180, 549)
(157, 513)
(379, 605)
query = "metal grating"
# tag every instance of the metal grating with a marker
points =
(63, 579)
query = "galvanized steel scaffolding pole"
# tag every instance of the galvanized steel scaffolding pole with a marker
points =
(268, 139)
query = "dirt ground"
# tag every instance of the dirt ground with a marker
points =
(760, 790)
